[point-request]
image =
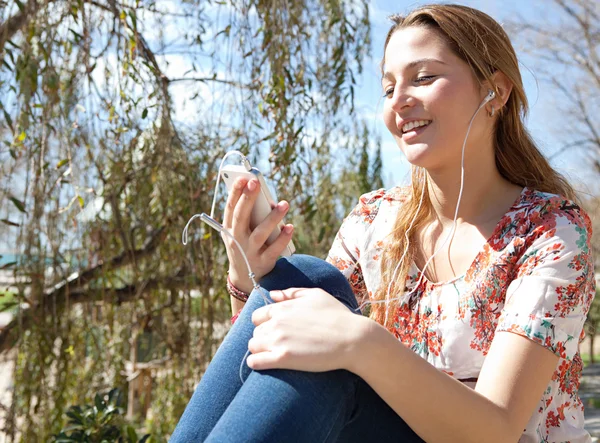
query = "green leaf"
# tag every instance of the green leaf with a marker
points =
(100, 406)
(8, 119)
(80, 200)
(18, 203)
(145, 113)
(21, 137)
(10, 54)
(61, 163)
(131, 434)
(75, 414)
(114, 396)
(133, 19)
(78, 36)
(20, 5)
(321, 234)
(10, 223)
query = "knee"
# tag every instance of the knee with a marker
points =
(305, 271)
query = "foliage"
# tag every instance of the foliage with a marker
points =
(7, 301)
(592, 324)
(115, 116)
(101, 422)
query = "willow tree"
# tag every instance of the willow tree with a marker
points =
(116, 115)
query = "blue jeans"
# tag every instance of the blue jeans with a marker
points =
(280, 405)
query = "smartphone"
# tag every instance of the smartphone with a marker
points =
(265, 202)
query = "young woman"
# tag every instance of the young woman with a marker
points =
(477, 289)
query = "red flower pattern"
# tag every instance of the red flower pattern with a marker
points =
(452, 324)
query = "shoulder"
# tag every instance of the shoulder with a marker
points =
(547, 212)
(370, 204)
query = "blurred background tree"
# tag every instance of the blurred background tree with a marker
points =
(565, 47)
(566, 52)
(115, 117)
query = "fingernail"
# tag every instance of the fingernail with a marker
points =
(252, 185)
(288, 229)
(283, 205)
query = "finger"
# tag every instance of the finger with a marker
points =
(262, 314)
(263, 230)
(234, 196)
(241, 213)
(259, 330)
(257, 345)
(278, 246)
(263, 360)
(287, 294)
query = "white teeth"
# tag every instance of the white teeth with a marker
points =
(414, 124)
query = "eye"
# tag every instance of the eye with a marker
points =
(388, 92)
(425, 78)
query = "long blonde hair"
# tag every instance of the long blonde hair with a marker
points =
(481, 42)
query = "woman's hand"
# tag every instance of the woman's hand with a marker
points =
(306, 330)
(237, 220)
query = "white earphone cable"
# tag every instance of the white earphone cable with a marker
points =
(210, 221)
(406, 297)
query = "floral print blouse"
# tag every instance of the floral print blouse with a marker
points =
(534, 277)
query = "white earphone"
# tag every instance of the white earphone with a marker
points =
(490, 96)
(406, 296)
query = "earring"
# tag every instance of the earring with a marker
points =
(491, 114)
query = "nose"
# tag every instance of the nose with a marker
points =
(402, 99)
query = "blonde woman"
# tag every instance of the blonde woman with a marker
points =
(477, 277)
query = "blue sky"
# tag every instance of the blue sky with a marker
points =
(545, 121)
(544, 118)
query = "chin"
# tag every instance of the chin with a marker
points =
(419, 154)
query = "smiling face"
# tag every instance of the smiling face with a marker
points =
(430, 97)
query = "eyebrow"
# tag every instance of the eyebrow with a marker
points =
(414, 63)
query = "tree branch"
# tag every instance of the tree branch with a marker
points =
(121, 295)
(209, 79)
(14, 24)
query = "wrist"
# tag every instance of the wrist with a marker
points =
(370, 335)
(235, 292)
(240, 282)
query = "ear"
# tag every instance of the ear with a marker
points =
(502, 86)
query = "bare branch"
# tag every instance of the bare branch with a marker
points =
(210, 79)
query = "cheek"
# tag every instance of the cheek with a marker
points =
(452, 102)
(442, 100)
(389, 118)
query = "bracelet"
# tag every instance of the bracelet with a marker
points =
(235, 292)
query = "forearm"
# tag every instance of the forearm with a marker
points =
(236, 305)
(436, 406)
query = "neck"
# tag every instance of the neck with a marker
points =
(486, 194)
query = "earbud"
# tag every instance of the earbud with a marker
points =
(490, 96)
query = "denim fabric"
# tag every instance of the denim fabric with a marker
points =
(285, 405)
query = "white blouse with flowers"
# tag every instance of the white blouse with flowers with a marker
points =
(533, 277)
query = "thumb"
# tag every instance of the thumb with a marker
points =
(287, 294)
